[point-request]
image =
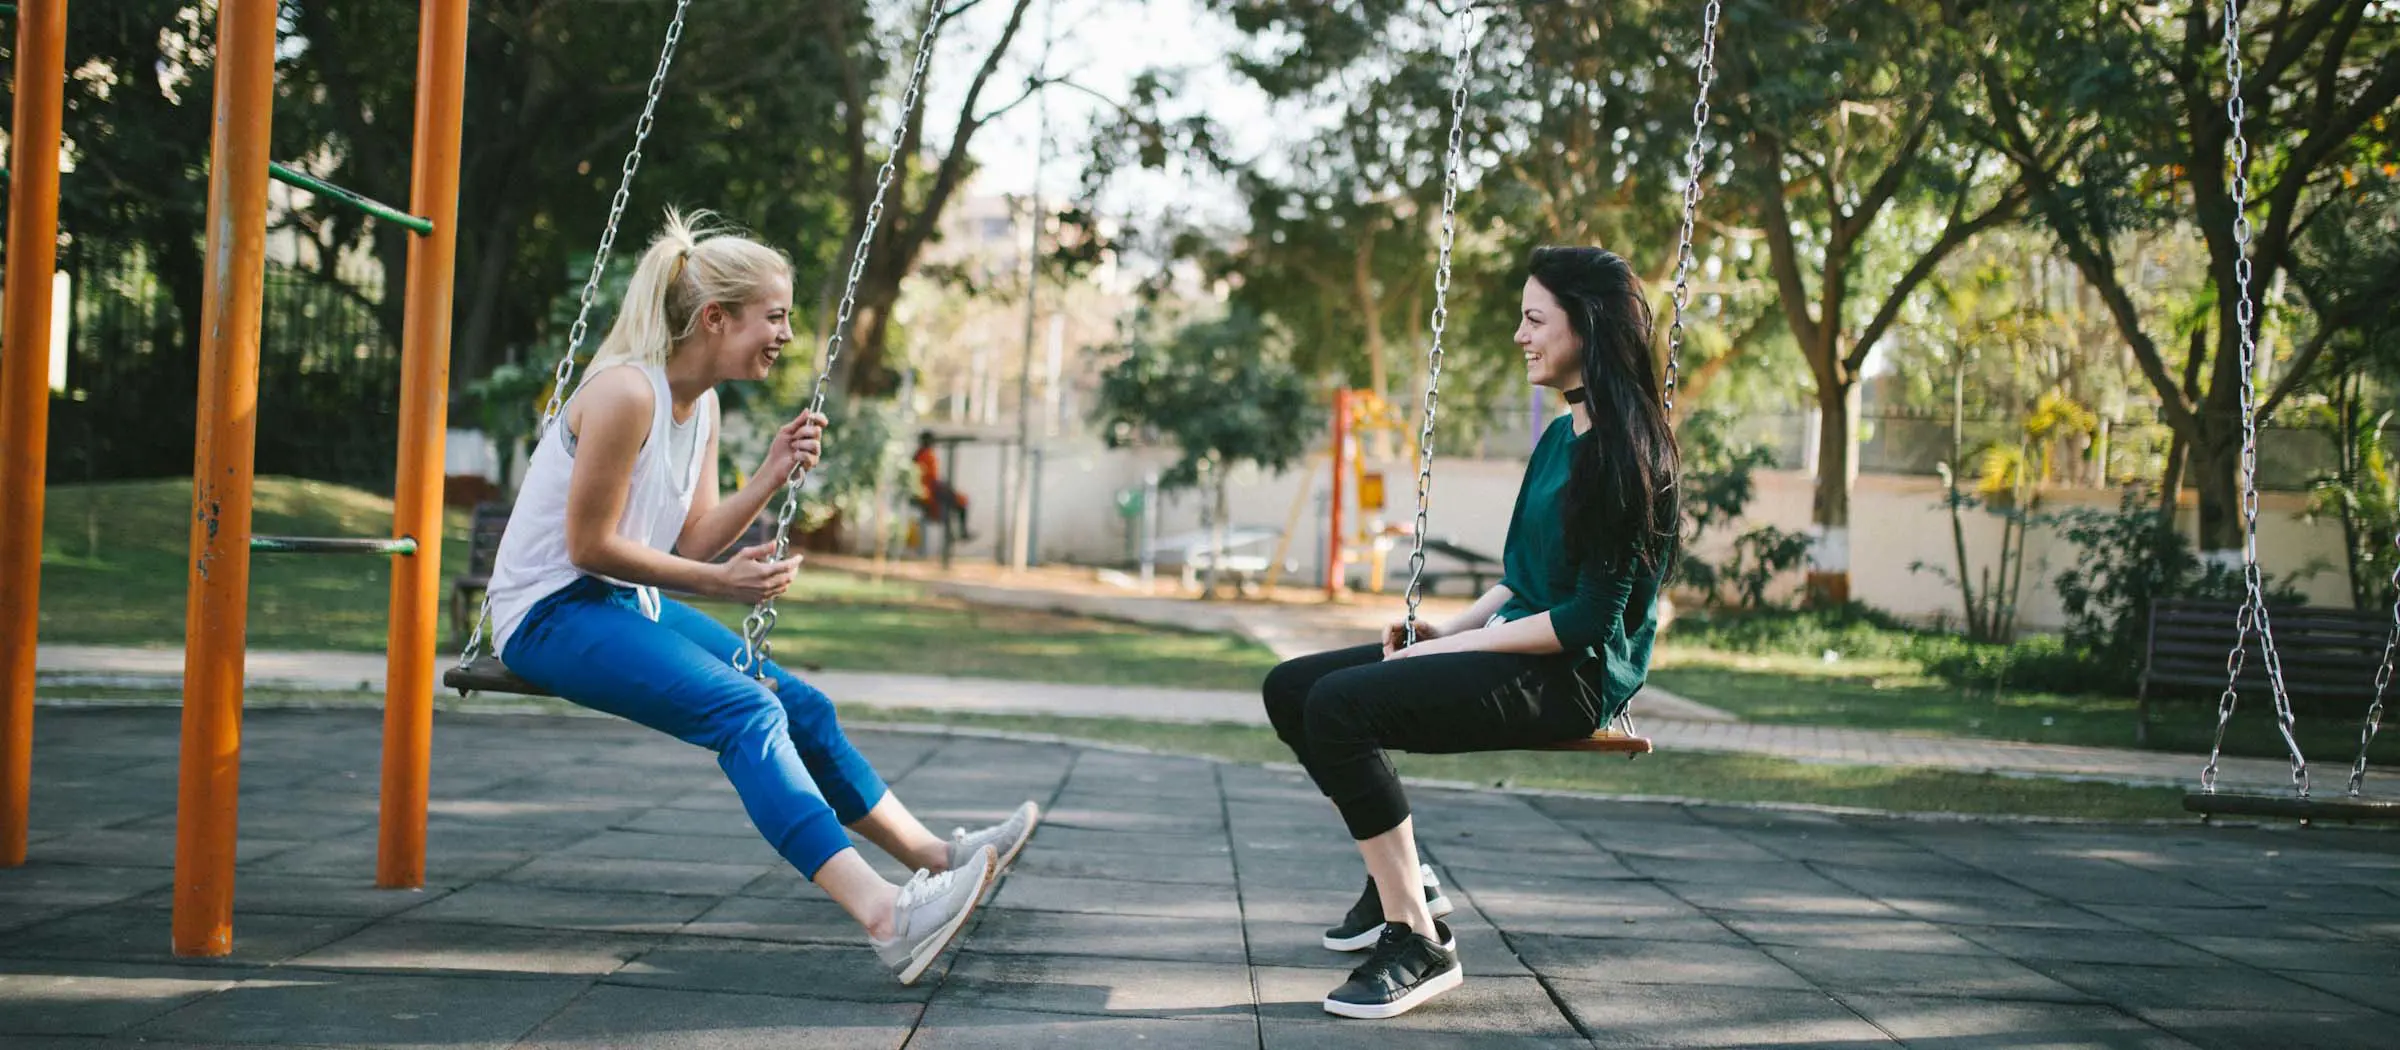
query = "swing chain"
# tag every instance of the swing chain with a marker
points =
(1691, 201)
(1460, 71)
(564, 372)
(2383, 683)
(2253, 612)
(756, 649)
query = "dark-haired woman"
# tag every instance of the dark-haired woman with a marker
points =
(1553, 652)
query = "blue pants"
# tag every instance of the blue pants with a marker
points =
(797, 775)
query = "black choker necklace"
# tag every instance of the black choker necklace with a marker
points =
(1575, 396)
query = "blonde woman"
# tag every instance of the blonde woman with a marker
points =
(621, 502)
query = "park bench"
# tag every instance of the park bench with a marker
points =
(483, 545)
(2329, 655)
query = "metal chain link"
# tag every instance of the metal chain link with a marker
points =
(2253, 612)
(1460, 70)
(564, 372)
(1691, 201)
(2383, 683)
(756, 649)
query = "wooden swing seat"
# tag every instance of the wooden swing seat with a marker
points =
(488, 675)
(2292, 807)
(1604, 741)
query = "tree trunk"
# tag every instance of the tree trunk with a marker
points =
(1837, 450)
(1362, 284)
(470, 341)
(1958, 539)
(2170, 484)
(2215, 471)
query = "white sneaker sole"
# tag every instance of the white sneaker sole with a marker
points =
(1416, 997)
(1439, 906)
(1032, 822)
(931, 948)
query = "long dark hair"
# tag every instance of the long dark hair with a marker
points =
(1621, 501)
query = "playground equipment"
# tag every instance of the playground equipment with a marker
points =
(217, 606)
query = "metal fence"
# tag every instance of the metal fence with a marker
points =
(329, 375)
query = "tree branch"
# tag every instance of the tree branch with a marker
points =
(1955, 232)
(1783, 256)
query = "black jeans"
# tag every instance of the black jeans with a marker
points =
(1339, 711)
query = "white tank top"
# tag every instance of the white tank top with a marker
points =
(533, 563)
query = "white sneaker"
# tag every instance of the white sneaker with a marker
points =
(1006, 838)
(930, 912)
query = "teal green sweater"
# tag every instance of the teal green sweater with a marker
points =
(1605, 616)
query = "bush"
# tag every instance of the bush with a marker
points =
(2125, 561)
(2041, 663)
(1853, 630)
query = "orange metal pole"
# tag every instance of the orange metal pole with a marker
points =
(25, 395)
(424, 420)
(216, 612)
(1333, 540)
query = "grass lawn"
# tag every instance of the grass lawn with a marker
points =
(1898, 695)
(1721, 778)
(113, 573)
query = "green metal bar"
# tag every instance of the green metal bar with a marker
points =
(323, 188)
(326, 545)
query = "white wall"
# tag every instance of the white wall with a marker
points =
(1895, 521)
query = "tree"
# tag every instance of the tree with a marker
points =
(1850, 161)
(2352, 259)
(913, 208)
(1223, 392)
(2119, 122)
(554, 88)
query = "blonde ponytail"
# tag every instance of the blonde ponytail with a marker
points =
(690, 264)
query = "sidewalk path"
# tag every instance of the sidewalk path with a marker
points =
(102, 667)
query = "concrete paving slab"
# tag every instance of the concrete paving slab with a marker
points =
(1901, 973)
(519, 904)
(99, 998)
(381, 1010)
(614, 1017)
(805, 971)
(1007, 932)
(1629, 961)
(1079, 984)
(956, 1026)
(132, 933)
(1622, 1015)
(1108, 897)
(1955, 1024)
(502, 951)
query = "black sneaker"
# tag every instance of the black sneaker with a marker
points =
(1360, 929)
(1405, 971)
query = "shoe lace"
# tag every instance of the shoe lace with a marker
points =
(1387, 947)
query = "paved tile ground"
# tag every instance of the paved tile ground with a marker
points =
(594, 885)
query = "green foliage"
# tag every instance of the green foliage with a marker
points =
(553, 90)
(867, 450)
(1854, 631)
(1717, 485)
(1760, 556)
(1222, 391)
(2125, 561)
